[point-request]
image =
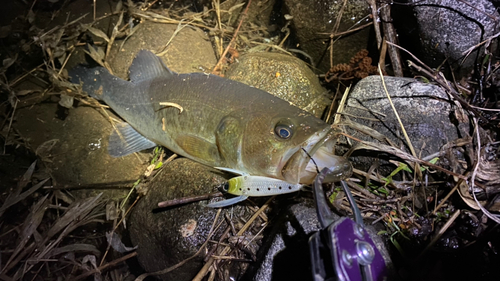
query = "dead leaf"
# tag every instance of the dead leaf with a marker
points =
(9, 61)
(5, 31)
(112, 211)
(66, 101)
(44, 149)
(29, 226)
(115, 242)
(97, 54)
(31, 16)
(74, 248)
(25, 92)
(118, 6)
(463, 190)
(97, 32)
(90, 259)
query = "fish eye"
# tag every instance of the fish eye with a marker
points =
(283, 130)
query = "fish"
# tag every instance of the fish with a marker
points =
(212, 120)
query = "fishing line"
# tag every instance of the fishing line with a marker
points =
(317, 170)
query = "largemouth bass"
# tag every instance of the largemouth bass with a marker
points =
(212, 120)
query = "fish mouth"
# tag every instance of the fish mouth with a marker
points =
(316, 153)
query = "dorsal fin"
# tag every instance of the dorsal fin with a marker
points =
(147, 65)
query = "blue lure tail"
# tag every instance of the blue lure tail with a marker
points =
(228, 202)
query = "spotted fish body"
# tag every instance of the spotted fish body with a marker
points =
(223, 123)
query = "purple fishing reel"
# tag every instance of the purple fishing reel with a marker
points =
(343, 250)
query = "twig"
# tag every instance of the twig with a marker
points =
(177, 30)
(382, 55)
(114, 33)
(401, 154)
(209, 263)
(362, 190)
(179, 264)
(66, 60)
(185, 200)
(369, 176)
(473, 177)
(373, 6)
(341, 106)
(440, 80)
(468, 51)
(417, 169)
(347, 31)
(116, 226)
(24, 75)
(331, 105)
(391, 36)
(440, 233)
(485, 109)
(445, 199)
(221, 59)
(335, 29)
(10, 125)
(103, 267)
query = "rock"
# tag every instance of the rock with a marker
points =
(448, 28)
(81, 139)
(284, 76)
(312, 18)
(167, 236)
(75, 149)
(258, 13)
(425, 111)
(189, 51)
(286, 250)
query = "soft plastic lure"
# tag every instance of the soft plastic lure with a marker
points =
(246, 185)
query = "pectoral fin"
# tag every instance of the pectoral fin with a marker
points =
(198, 147)
(228, 202)
(126, 140)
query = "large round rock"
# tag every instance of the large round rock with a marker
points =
(284, 76)
(429, 116)
(167, 236)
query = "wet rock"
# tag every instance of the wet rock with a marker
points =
(284, 76)
(167, 236)
(448, 28)
(197, 57)
(425, 110)
(189, 51)
(75, 149)
(258, 12)
(311, 18)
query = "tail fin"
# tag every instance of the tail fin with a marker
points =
(97, 81)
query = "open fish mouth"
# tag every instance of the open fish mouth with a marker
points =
(315, 154)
